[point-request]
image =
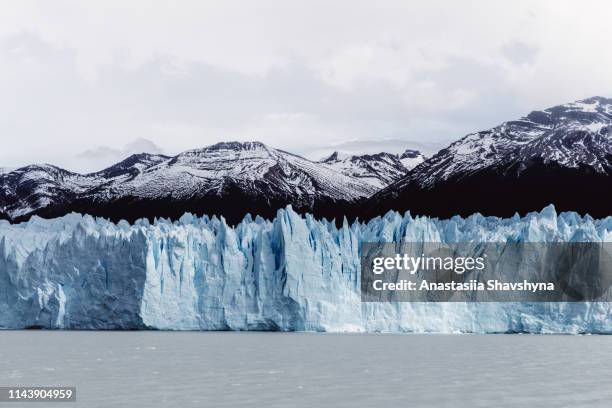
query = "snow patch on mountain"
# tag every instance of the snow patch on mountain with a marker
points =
(411, 158)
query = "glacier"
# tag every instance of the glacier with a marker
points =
(293, 273)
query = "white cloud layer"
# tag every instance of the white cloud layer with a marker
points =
(301, 76)
(102, 157)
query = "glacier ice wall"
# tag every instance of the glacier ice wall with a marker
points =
(291, 273)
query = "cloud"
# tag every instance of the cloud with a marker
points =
(301, 77)
(519, 52)
(140, 145)
(104, 156)
(358, 147)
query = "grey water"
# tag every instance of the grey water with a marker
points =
(228, 369)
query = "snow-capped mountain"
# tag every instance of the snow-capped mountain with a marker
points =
(561, 155)
(29, 188)
(229, 179)
(132, 166)
(251, 166)
(378, 170)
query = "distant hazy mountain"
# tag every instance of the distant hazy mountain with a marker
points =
(378, 170)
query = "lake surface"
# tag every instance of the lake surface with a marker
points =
(226, 369)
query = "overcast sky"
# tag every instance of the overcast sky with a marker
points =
(83, 84)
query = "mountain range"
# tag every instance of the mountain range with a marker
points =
(229, 179)
(561, 155)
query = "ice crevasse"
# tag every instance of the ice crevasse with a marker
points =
(291, 273)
